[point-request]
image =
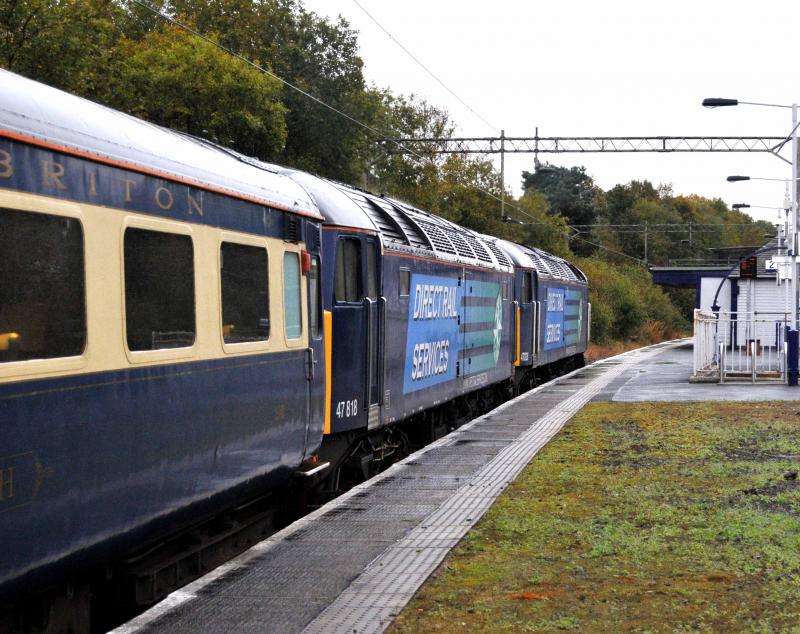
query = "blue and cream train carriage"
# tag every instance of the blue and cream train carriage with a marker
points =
(156, 350)
(183, 328)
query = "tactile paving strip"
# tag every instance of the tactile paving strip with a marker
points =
(353, 564)
(371, 602)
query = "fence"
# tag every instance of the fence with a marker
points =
(740, 346)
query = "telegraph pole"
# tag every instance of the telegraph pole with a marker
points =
(502, 175)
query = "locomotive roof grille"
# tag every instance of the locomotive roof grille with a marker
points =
(437, 237)
(480, 251)
(556, 266)
(498, 253)
(404, 227)
(460, 244)
(413, 232)
(539, 264)
(387, 225)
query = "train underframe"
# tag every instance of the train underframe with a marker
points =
(356, 456)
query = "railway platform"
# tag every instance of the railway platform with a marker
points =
(353, 564)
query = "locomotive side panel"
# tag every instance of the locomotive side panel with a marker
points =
(449, 332)
(563, 324)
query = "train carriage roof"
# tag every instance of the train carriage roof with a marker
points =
(41, 114)
(401, 227)
(545, 264)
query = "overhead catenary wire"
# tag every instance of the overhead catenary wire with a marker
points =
(423, 66)
(369, 128)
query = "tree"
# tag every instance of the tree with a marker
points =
(179, 81)
(65, 44)
(317, 56)
(571, 192)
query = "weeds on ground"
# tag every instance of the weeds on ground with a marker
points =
(638, 517)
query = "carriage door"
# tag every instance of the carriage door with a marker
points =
(356, 326)
(527, 318)
(315, 360)
(375, 308)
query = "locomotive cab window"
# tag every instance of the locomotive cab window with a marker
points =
(245, 293)
(42, 296)
(292, 315)
(348, 270)
(159, 290)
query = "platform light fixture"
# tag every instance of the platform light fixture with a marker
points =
(736, 179)
(720, 102)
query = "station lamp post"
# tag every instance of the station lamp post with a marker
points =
(716, 102)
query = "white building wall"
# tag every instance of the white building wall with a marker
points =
(708, 287)
(761, 305)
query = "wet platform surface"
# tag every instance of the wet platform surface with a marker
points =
(352, 565)
(666, 378)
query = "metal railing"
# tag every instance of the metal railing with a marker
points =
(740, 346)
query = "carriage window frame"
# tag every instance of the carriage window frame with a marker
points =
(67, 211)
(297, 297)
(243, 242)
(163, 226)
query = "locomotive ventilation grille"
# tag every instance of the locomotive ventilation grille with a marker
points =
(480, 251)
(461, 246)
(437, 237)
(292, 229)
(498, 253)
(401, 224)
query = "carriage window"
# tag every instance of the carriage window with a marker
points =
(159, 290)
(404, 286)
(314, 297)
(526, 288)
(245, 299)
(42, 297)
(348, 270)
(291, 295)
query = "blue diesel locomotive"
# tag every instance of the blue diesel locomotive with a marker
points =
(183, 328)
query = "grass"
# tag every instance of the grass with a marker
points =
(647, 517)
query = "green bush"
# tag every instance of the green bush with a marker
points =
(626, 305)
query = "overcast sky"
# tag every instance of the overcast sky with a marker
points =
(591, 68)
